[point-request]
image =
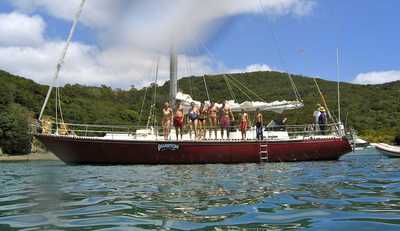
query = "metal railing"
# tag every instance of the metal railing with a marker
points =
(206, 133)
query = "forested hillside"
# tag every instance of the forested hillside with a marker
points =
(373, 110)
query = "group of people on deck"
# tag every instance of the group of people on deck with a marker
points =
(213, 117)
(198, 117)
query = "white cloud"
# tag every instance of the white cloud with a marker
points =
(251, 68)
(150, 23)
(21, 30)
(377, 77)
(97, 12)
(117, 67)
(85, 64)
(101, 11)
(132, 34)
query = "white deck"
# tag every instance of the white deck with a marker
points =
(149, 135)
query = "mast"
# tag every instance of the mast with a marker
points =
(63, 54)
(338, 83)
(173, 76)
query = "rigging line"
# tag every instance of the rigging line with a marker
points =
(226, 76)
(59, 105)
(246, 88)
(204, 79)
(151, 105)
(279, 51)
(223, 75)
(56, 102)
(141, 108)
(190, 73)
(190, 85)
(215, 60)
(150, 73)
(323, 101)
(205, 86)
(63, 54)
(230, 89)
(155, 93)
(337, 28)
(338, 84)
(63, 125)
(238, 87)
(230, 79)
(145, 92)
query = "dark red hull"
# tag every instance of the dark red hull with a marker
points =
(75, 150)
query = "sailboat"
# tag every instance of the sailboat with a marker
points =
(111, 145)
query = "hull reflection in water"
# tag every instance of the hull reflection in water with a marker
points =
(77, 150)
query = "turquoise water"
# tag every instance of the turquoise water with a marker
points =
(359, 192)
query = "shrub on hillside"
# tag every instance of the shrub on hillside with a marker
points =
(6, 95)
(15, 136)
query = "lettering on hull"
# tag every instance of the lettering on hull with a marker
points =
(168, 147)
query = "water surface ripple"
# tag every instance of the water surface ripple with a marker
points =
(361, 191)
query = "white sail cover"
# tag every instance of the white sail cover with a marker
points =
(276, 106)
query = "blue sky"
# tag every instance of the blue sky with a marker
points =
(364, 30)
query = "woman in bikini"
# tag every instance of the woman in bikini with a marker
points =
(226, 116)
(212, 115)
(167, 120)
(178, 120)
(193, 119)
(202, 121)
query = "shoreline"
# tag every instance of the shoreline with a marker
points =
(46, 156)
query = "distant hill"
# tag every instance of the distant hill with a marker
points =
(373, 110)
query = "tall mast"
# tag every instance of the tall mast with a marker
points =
(338, 83)
(63, 54)
(173, 76)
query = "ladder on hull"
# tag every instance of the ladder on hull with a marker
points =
(263, 152)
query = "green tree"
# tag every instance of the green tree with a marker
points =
(6, 95)
(15, 137)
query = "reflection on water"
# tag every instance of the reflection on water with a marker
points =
(362, 191)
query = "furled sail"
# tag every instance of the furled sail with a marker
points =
(276, 106)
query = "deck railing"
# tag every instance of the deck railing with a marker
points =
(136, 132)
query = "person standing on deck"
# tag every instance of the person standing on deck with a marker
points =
(178, 120)
(167, 119)
(226, 118)
(193, 120)
(322, 120)
(202, 121)
(213, 115)
(244, 124)
(316, 115)
(259, 125)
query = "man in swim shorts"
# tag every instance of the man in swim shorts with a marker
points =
(226, 118)
(178, 120)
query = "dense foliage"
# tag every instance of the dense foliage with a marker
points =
(14, 130)
(373, 110)
(14, 123)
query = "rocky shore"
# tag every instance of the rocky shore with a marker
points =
(29, 157)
